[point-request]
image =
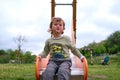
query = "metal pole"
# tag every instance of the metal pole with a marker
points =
(74, 20)
(53, 8)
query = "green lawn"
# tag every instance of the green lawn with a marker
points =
(17, 72)
(106, 72)
(27, 71)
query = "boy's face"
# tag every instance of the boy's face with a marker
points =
(57, 26)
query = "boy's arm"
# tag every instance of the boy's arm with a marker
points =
(78, 54)
(74, 50)
(46, 50)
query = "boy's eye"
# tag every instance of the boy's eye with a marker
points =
(60, 24)
(55, 24)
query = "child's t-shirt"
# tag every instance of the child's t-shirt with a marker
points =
(58, 48)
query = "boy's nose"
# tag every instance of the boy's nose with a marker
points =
(58, 25)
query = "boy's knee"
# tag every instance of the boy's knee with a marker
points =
(49, 72)
(63, 74)
(63, 71)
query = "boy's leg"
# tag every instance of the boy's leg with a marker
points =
(50, 71)
(64, 71)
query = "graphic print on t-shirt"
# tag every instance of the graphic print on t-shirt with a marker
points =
(57, 51)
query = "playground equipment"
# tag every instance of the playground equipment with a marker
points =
(79, 70)
(105, 61)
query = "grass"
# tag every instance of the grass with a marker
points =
(96, 71)
(106, 72)
(17, 72)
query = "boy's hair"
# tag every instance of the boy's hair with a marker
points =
(56, 19)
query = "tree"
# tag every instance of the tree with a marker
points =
(11, 54)
(19, 41)
(2, 52)
(113, 42)
(28, 58)
(4, 57)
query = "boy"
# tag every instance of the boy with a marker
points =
(58, 47)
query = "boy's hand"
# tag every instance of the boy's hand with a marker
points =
(81, 58)
(38, 57)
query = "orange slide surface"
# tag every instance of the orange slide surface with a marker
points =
(41, 63)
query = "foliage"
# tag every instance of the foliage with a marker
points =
(113, 42)
(111, 45)
(6, 56)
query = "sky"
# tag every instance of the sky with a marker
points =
(96, 20)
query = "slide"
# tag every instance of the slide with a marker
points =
(79, 70)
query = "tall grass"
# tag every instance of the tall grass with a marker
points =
(96, 71)
(17, 72)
